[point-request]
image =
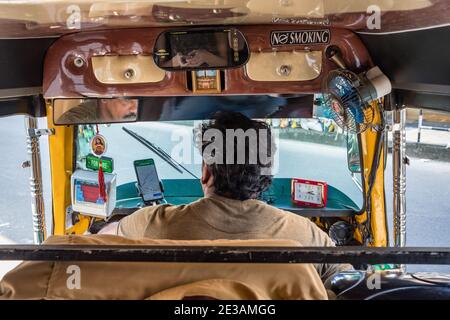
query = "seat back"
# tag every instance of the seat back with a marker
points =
(161, 280)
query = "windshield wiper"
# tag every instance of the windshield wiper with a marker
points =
(159, 152)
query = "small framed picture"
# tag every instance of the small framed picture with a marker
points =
(98, 145)
(206, 81)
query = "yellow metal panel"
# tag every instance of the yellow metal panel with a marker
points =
(80, 227)
(378, 214)
(61, 165)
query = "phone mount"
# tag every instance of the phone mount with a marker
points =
(154, 202)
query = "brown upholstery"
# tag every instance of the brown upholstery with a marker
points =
(160, 280)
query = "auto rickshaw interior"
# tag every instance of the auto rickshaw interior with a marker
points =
(170, 143)
(125, 87)
(146, 105)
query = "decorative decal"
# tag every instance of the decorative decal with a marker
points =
(303, 21)
(299, 37)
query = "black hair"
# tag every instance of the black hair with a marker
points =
(247, 179)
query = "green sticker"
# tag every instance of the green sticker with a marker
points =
(93, 162)
(384, 267)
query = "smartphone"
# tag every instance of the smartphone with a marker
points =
(148, 180)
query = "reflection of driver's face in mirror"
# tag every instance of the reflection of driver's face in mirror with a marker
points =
(118, 109)
(97, 111)
(201, 52)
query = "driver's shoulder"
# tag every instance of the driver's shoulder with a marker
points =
(163, 212)
(292, 219)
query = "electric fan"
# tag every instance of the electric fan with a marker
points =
(347, 96)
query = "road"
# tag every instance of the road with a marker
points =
(15, 206)
(428, 188)
(427, 206)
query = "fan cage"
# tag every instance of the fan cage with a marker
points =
(347, 108)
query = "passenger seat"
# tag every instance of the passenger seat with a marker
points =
(161, 280)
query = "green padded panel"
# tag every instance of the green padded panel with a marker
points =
(184, 191)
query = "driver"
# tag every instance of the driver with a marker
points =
(230, 208)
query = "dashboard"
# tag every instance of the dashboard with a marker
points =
(121, 62)
(182, 191)
(390, 285)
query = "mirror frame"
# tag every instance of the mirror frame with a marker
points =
(348, 154)
(157, 49)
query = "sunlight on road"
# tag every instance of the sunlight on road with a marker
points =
(6, 266)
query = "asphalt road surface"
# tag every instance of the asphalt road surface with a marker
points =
(428, 190)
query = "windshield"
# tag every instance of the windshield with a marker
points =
(307, 148)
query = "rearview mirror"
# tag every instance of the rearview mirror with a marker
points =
(353, 156)
(211, 48)
(91, 111)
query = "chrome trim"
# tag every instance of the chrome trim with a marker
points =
(399, 161)
(36, 189)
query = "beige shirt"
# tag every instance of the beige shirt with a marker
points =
(216, 217)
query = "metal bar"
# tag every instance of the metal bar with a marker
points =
(399, 177)
(37, 198)
(197, 254)
(436, 128)
(419, 125)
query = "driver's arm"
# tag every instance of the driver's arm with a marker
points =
(132, 226)
(110, 228)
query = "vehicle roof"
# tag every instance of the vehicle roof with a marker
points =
(31, 18)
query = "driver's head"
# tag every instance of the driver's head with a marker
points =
(118, 109)
(237, 156)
